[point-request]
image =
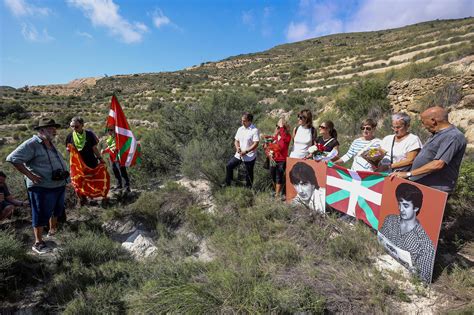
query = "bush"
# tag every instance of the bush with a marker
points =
(12, 257)
(165, 207)
(366, 97)
(12, 111)
(90, 248)
(233, 198)
(98, 299)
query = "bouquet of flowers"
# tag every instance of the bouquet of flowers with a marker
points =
(373, 155)
(317, 151)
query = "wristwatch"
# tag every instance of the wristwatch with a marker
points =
(409, 174)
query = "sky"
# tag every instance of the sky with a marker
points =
(56, 41)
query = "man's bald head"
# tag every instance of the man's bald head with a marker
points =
(437, 113)
(434, 119)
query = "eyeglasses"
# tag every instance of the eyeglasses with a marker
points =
(322, 127)
(397, 127)
(74, 126)
(366, 128)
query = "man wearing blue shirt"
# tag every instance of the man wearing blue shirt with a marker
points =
(46, 178)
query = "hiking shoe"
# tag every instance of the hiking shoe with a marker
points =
(127, 189)
(51, 233)
(116, 187)
(40, 248)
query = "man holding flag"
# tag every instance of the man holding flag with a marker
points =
(123, 148)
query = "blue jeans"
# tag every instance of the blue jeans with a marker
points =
(45, 203)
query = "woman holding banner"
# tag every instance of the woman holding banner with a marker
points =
(89, 178)
(401, 148)
(361, 145)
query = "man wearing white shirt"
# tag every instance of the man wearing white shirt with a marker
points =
(246, 143)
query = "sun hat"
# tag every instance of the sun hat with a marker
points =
(46, 122)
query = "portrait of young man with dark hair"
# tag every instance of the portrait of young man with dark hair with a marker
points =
(404, 237)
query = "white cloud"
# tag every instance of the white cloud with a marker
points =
(84, 34)
(104, 13)
(378, 15)
(31, 34)
(318, 18)
(260, 20)
(159, 19)
(21, 8)
(248, 18)
(297, 31)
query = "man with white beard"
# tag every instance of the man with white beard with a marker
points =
(46, 178)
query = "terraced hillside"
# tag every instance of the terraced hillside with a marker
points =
(317, 70)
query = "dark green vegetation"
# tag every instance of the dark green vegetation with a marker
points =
(263, 256)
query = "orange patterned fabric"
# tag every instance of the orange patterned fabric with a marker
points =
(88, 182)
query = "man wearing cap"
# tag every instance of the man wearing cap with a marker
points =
(46, 178)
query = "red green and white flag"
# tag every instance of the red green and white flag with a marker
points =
(127, 148)
(356, 193)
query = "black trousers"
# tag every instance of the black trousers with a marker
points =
(278, 173)
(119, 173)
(232, 164)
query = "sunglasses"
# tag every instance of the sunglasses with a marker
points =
(322, 127)
(366, 128)
(300, 117)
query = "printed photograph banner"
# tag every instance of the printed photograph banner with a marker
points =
(409, 225)
(355, 193)
(306, 183)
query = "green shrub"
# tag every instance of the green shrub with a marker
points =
(164, 207)
(367, 97)
(233, 198)
(98, 299)
(91, 249)
(12, 258)
(200, 221)
(462, 199)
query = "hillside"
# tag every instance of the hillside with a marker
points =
(309, 69)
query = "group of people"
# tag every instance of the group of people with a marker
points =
(436, 164)
(46, 173)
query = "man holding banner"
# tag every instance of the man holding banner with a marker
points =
(123, 148)
(437, 165)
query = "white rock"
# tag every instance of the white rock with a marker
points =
(139, 245)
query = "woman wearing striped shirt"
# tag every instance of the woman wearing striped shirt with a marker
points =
(360, 145)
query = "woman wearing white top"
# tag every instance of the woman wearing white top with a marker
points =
(401, 148)
(303, 136)
(360, 145)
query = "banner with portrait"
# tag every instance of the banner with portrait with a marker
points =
(306, 183)
(406, 215)
(409, 224)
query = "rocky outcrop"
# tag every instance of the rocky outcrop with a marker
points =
(410, 95)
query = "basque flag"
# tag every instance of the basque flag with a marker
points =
(356, 193)
(127, 148)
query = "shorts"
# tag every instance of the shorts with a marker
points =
(45, 203)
